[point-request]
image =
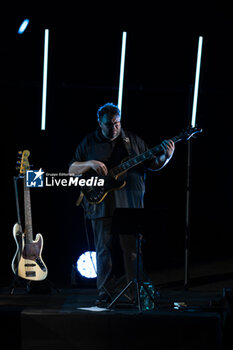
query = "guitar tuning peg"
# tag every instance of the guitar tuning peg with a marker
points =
(18, 162)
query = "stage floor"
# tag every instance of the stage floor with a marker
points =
(57, 320)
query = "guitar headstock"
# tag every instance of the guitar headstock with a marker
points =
(24, 163)
(188, 133)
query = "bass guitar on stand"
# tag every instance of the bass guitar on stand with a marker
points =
(27, 262)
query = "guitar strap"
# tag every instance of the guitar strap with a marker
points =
(127, 143)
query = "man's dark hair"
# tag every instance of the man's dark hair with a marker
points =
(108, 109)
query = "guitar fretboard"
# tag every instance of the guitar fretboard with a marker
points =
(27, 214)
(132, 162)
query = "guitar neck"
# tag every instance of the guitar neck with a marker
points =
(132, 162)
(27, 214)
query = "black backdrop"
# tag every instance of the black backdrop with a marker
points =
(83, 74)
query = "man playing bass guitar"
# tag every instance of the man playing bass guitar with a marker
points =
(100, 152)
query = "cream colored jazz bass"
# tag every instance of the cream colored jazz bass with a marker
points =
(27, 262)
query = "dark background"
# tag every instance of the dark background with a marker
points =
(83, 74)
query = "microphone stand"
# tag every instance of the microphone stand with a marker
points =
(187, 220)
(188, 202)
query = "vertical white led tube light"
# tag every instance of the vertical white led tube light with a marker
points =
(122, 68)
(195, 95)
(45, 75)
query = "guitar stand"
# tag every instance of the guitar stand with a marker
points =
(41, 287)
(16, 281)
(138, 284)
(44, 287)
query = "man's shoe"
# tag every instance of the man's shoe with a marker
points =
(102, 300)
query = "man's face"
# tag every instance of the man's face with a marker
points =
(110, 126)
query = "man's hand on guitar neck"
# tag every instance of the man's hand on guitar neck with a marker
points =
(168, 147)
(160, 161)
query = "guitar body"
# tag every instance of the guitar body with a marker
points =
(31, 265)
(17, 234)
(94, 193)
